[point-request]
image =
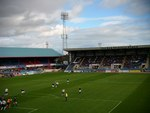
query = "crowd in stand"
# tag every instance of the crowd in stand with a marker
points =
(129, 62)
(134, 62)
(20, 71)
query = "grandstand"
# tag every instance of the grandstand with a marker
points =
(17, 61)
(109, 59)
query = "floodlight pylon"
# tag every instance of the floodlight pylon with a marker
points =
(64, 17)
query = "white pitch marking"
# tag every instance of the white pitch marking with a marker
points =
(31, 109)
(23, 108)
(79, 98)
(95, 99)
(40, 95)
(115, 106)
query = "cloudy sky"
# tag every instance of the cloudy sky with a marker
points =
(91, 23)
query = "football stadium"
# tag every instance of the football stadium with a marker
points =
(96, 60)
(96, 80)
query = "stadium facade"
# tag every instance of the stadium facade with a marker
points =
(109, 59)
(13, 59)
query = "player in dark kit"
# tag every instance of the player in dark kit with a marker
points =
(15, 103)
(68, 81)
(53, 85)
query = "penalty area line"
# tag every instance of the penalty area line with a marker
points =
(115, 106)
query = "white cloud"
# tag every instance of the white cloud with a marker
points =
(51, 31)
(78, 20)
(112, 33)
(75, 11)
(111, 23)
(78, 7)
(108, 18)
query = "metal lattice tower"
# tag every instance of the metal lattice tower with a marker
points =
(64, 17)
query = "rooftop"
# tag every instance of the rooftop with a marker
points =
(107, 48)
(28, 52)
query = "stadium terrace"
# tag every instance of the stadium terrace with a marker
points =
(109, 59)
(22, 61)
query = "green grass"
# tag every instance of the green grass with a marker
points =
(101, 93)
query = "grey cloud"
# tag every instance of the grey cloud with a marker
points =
(15, 7)
(136, 7)
(19, 17)
(112, 3)
(10, 8)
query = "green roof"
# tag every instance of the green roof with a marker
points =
(28, 52)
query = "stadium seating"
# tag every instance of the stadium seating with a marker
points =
(134, 62)
(130, 62)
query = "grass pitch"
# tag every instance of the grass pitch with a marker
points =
(101, 93)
